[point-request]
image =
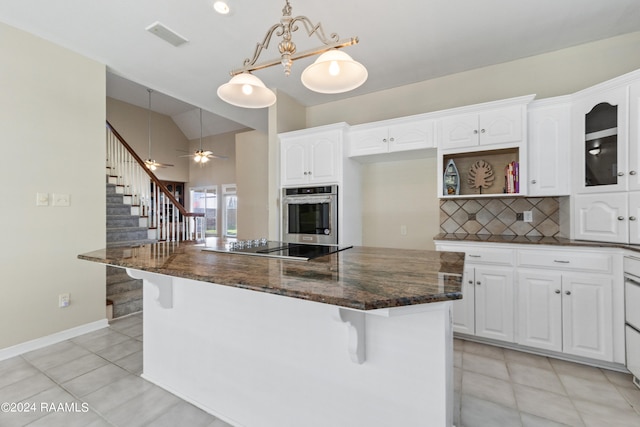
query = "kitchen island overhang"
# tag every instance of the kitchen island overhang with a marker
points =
(363, 337)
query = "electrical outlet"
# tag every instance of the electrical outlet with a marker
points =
(528, 216)
(63, 300)
(403, 230)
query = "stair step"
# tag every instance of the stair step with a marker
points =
(127, 303)
(119, 210)
(118, 288)
(120, 221)
(126, 234)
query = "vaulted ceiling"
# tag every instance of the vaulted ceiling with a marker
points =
(400, 43)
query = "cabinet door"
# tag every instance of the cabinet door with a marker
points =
(634, 217)
(540, 309)
(601, 142)
(601, 217)
(549, 167)
(464, 309)
(293, 161)
(587, 316)
(459, 131)
(501, 126)
(411, 136)
(368, 141)
(634, 137)
(494, 303)
(324, 159)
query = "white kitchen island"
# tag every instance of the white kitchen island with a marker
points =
(280, 356)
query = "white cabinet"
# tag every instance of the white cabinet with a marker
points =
(600, 129)
(566, 312)
(567, 300)
(500, 126)
(391, 136)
(486, 307)
(608, 217)
(310, 157)
(634, 136)
(549, 143)
(565, 303)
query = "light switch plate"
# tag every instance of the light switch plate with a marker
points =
(60, 199)
(42, 199)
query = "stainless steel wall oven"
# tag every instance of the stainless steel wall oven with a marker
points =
(310, 215)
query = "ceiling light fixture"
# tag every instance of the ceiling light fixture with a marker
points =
(333, 72)
(222, 7)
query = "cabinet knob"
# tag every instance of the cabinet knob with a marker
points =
(533, 181)
(384, 139)
(632, 172)
(478, 283)
(620, 218)
(567, 292)
(482, 130)
(632, 218)
(392, 139)
(471, 282)
(309, 172)
(557, 291)
(305, 172)
(475, 131)
(620, 173)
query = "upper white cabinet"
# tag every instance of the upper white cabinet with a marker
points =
(600, 146)
(312, 156)
(549, 143)
(391, 136)
(491, 127)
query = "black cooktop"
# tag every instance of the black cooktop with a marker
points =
(275, 249)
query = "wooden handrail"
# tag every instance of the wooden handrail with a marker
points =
(152, 176)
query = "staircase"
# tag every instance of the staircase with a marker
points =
(140, 210)
(124, 228)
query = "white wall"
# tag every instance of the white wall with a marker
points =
(52, 113)
(405, 192)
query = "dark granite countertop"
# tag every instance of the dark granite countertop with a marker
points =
(364, 278)
(553, 241)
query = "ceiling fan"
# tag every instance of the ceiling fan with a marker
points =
(149, 162)
(202, 156)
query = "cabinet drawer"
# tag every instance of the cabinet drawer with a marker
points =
(480, 254)
(566, 260)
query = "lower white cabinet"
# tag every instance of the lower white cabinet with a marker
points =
(566, 312)
(608, 217)
(486, 309)
(567, 300)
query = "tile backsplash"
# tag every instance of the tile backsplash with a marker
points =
(498, 216)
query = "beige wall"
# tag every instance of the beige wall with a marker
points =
(252, 172)
(167, 140)
(404, 193)
(52, 112)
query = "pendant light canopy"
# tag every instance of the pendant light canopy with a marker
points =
(333, 72)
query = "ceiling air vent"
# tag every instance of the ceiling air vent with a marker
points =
(166, 34)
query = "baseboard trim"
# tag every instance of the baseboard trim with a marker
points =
(25, 347)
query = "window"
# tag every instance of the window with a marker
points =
(230, 209)
(205, 200)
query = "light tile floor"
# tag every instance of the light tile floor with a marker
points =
(501, 387)
(98, 375)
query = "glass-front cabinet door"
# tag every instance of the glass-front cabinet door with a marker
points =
(601, 148)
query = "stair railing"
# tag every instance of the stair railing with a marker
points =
(165, 213)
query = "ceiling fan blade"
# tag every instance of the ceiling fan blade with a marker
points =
(187, 155)
(213, 156)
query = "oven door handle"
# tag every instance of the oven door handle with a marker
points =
(306, 200)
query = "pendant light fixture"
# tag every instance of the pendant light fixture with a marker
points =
(333, 72)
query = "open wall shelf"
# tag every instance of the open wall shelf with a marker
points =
(497, 159)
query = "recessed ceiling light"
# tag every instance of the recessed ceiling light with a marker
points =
(222, 7)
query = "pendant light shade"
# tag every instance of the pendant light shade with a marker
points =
(334, 72)
(248, 91)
